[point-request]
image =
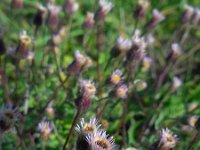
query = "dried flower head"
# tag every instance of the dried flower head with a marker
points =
(116, 77)
(45, 129)
(141, 9)
(85, 128)
(99, 140)
(8, 118)
(103, 10)
(140, 85)
(71, 6)
(168, 139)
(121, 91)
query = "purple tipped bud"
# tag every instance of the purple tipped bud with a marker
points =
(187, 14)
(141, 8)
(71, 6)
(103, 10)
(89, 21)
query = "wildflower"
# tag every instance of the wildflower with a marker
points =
(116, 77)
(53, 15)
(149, 39)
(103, 10)
(168, 139)
(122, 46)
(140, 85)
(156, 19)
(104, 124)
(196, 18)
(63, 32)
(89, 21)
(141, 9)
(45, 129)
(71, 6)
(176, 49)
(24, 44)
(146, 63)
(176, 83)
(8, 118)
(17, 4)
(121, 91)
(56, 39)
(80, 62)
(87, 88)
(193, 121)
(99, 140)
(187, 14)
(85, 128)
(50, 112)
(39, 18)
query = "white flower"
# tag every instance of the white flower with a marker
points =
(123, 44)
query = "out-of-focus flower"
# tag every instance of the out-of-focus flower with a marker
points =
(131, 148)
(121, 91)
(17, 4)
(192, 106)
(63, 32)
(71, 6)
(85, 128)
(53, 15)
(50, 112)
(176, 49)
(193, 120)
(176, 83)
(141, 9)
(8, 118)
(156, 19)
(87, 88)
(103, 10)
(196, 18)
(104, 124)
(187, 14)
(146, 63)
(56, 39)
(89, 21)
(116, 77)
(25, 41)
(80, 63)
(40, 16)
(122, 46)
(140, 85)
(99, 140)
(149, 39)
(168, 139)
(45, 129)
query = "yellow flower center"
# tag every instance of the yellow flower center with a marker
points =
(103, 143)
(89, 128)
(121, 92)
(116, 78)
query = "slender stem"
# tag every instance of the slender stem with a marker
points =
(193, 141)
(124, 122)
(72, 127)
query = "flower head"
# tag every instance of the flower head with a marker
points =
(71, 6)
(86, 128)
(45, 129)
(188, 13)
(56, 39)
(104, 8)
(168, 139)
(176, 48)
(116, 77)
(146, 63)
(123, 44)
(99, 140)
(89, 20)
(176, 83)
(87, 88)
(141, 9)
(193, 121)
(121, 91)
(8, 118)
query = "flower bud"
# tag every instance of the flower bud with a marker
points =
(176, 83)
(196, 16)
(50, 112)
(39, 18)
(89, 21)
(103, 10)
(187, 14)
(71, 6)
(141, 8)
(192, 121)
(140, 85)
(45, 129)
(17, 4)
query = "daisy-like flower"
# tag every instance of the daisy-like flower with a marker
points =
(99, 140)
(168, 139)
(45, 129)
(121, 91)
(104, 8)
(71, 6)
(8, 118)
(193, 121)
(116, 77)
(56, 39)
(85, 128)
(140, 85)
(87, 88)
